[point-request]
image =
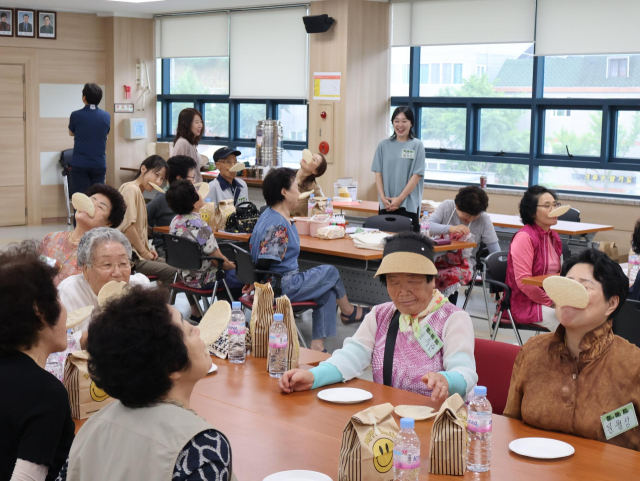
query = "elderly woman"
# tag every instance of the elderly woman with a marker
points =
(36, 426)
(306, 179)
(464, 215)
(275, 246)
(61, 248)
(565, 381)
(535, 250)
(150, 432)
(104, 255)
(419, 341)
(634, 292)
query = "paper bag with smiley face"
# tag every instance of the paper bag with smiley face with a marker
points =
(85, 398)
(208, 215)
(367, 445)
(448, 448)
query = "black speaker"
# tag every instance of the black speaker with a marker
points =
(317, 23)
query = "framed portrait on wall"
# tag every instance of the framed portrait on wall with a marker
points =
(25, 23)
(6, 22)
(47, 24)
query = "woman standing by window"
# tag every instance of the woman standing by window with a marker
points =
(188, 135)
(399, 167)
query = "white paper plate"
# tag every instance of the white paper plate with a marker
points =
(213, 368)
(345, 395)
(297, 476)
(541, 448)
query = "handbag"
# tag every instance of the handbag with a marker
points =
(244, 219)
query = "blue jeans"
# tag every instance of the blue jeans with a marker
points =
(322, 285)
(84, 177)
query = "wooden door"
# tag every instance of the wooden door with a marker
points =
(12, 146)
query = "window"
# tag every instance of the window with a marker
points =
(400, 58)
(250, 114)
(208, 149)
(618, 67)
(508, 69)
(590, 180)
(247, 154)
(469, 172)
(424, 73)
(158, 76)
(505, 130)
(294, 121)
(201, 76)
(561, 113)
(291, 158)
(159, 118)
(216, 120)
(443, 128)
(591, 76)
(628, 134)
(580, 133)
(176, 108)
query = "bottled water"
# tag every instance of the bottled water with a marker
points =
(311, 204)
(73, 344)
(54, 366)
(425, 224)
(329, 207)
(278, 341)
(237, 329)
(406, 452)
(479, 428)
(634, 265)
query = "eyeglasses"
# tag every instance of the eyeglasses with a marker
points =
(550, 206)
(224, 161)
(110, 267)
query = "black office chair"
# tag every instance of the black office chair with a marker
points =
(388, 223)
(263, 208)
(246, 272)
(496, 276)
(626, 323)
(566, 252)
(572, 215)
(478, 269)
(65, 163)
(185, 254)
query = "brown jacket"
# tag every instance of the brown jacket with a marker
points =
(301, 209)
(552, 391)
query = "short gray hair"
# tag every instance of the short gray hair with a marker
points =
(96, 237)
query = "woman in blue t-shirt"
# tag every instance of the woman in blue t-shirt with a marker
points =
(275, 246)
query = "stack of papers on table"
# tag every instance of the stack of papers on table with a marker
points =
(370, 240)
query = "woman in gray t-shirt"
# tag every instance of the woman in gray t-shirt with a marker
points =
(399, 167)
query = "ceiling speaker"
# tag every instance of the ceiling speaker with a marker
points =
(317, 23)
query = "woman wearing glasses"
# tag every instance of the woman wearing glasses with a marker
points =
(535, 250)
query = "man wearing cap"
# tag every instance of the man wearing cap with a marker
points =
(226, 185)
(418, 342)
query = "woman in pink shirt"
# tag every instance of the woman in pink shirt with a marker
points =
(535, 250)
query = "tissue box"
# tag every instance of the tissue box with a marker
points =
(353, 192)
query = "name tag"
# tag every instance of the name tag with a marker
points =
(619, 421)
(430, 341)
(408, 154)
(242, 199)
(92, 107)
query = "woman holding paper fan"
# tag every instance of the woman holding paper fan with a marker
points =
(576, 378)
(312, 166)
(418, 342)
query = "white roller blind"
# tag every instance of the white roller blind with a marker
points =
(268, 54)
(462, 22)
(189, 36)
(401, 25)
(584, 27)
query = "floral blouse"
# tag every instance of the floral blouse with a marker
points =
(192, 227)
(58, 247)
(275, 239)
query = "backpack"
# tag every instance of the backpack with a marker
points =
(244, 219)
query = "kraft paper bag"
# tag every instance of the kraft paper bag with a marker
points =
(208, 214)
(609, 248)
(448, 449)
(366, 452)
(224, 209)
(85, 397)
(261, 318)
(283, 306)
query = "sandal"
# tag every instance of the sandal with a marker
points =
(351, 319)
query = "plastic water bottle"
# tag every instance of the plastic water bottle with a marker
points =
(329, 207)
(237, 329)
(311, 204)
(73, 344)
(634, 266)
(406, 452)
(479, 428)
(54, 366)
(425, 225)
(278, 342)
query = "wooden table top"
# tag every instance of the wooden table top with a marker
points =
(562, 227)
(536, 280)
(368, 206)
(271, 432)
(335, 247)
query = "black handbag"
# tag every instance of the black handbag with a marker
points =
(244, 219)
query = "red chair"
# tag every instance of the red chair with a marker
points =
(494, 363)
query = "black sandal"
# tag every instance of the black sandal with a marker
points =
(351, 319)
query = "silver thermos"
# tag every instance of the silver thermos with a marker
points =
(268, 145)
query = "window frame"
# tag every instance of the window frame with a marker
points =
(536, 157)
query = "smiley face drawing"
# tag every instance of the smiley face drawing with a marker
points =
(97, 394)
(205, 216)
(383, 455)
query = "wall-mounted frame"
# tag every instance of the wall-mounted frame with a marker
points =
(24, 23)
(6, 22)
(47, 24)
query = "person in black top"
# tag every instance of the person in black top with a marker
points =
(36, 429)
(634, 293)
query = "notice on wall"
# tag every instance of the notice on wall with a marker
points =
(326, 85)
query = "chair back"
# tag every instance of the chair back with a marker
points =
(388, 223)
(245, 268)
(496, 268)
(182, 253)
(481, 253)
(494, 364)
(566, 252)
(626, 324)
(572, 215)
(263, 208)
